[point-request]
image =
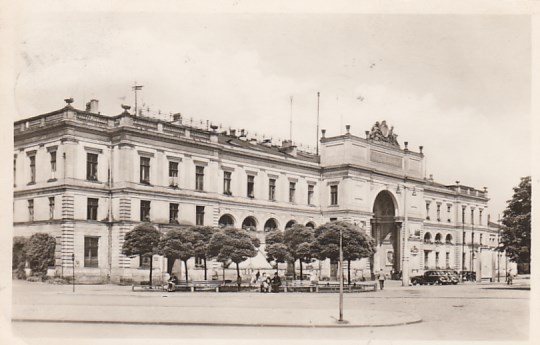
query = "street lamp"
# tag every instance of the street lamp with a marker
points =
(73, 271)
(340, 274)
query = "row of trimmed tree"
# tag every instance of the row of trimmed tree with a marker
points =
(305, 244)
(232, 245)
(227, 245)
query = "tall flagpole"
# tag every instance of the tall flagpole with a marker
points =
(290, 124)
(318, 98)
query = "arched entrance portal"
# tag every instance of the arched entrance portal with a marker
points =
(385, 231)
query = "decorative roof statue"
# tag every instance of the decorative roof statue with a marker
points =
(381, 132)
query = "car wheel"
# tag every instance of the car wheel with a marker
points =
(414, 282)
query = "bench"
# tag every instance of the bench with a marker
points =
(199, 285)
(298, 285)
(331, 286)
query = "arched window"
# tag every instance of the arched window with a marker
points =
(290, 224)
(448, 239)
(270, 225)
(438, 238)
(250, 224)
(427, 238)
(310, 225)
(226, 220)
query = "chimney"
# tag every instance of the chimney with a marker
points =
(93, 106)
(242, 135)
(288, 148)
(177, 118)
(233, 133)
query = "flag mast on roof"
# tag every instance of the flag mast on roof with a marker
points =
(318, 98)
(136, 88)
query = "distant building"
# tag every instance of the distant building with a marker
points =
(88, 179)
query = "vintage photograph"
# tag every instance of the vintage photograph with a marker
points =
(269, 175)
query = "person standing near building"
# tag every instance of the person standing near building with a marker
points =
(381, 278)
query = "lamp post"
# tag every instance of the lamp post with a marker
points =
(340, 274)
(73, 270)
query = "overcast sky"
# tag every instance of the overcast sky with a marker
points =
(458, 85)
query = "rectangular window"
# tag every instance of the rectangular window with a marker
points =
(427, 210)
(227, 182)
(334, 195)
(144, 261)
(14, 171)
(310, 193)
(437, 260)
(173, 213)
(292, 191)
(481, 239)
(173, 174)
(145, 170)
(53, 164)
(145, 211)
(438, 212)
(199, 215)
(51, 207)
(32, 169)
(199, 178)
(463, 214)
(480, 216)
(426, 259)
(199, 262)
(91, 166)
(333, 219)
(272, 189)
(448, 209)
(472, 216)
(91, 208)
(91, 251)
(250, 186)
(447, 260)
(31, 210)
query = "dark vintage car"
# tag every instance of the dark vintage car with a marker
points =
(438, 277)
(453, 276)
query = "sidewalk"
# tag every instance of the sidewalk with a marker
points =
(119, 305)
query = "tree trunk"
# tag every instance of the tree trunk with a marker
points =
(349, 272)
(238, 275)
(185, 267)
(151, 262)
(205, 269)
(301, 275)
(294, 269)
(223, 273)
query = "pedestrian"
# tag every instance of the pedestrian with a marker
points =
(381, 278)
(509, 278)
(276, 283)
(257, 275)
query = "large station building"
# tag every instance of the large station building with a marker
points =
(88, 179)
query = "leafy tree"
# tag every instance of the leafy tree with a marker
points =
(18, 258)
(516, 234)
(142, 240)
(203, 236)
(298, 240)
(39, 251)
(232, 244)
(356, 243)
(179, 244)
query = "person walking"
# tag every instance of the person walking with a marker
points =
(381, 278)
(509, 278)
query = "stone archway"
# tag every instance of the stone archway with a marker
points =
(226, 220)
(386, 232)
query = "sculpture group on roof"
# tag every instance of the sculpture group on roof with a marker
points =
(381, 132)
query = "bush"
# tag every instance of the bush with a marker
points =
(34, 279)
(39, 251)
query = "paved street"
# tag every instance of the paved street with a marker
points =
(461, 312)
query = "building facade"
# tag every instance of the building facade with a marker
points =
(88, 179)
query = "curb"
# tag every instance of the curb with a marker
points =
(232, 324)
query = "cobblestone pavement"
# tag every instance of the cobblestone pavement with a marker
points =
(492, 311)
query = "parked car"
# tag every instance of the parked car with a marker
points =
(432, 277)
(453, 276)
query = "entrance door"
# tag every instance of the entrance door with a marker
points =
(386, 232)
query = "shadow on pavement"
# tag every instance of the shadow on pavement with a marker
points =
(510, 287)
